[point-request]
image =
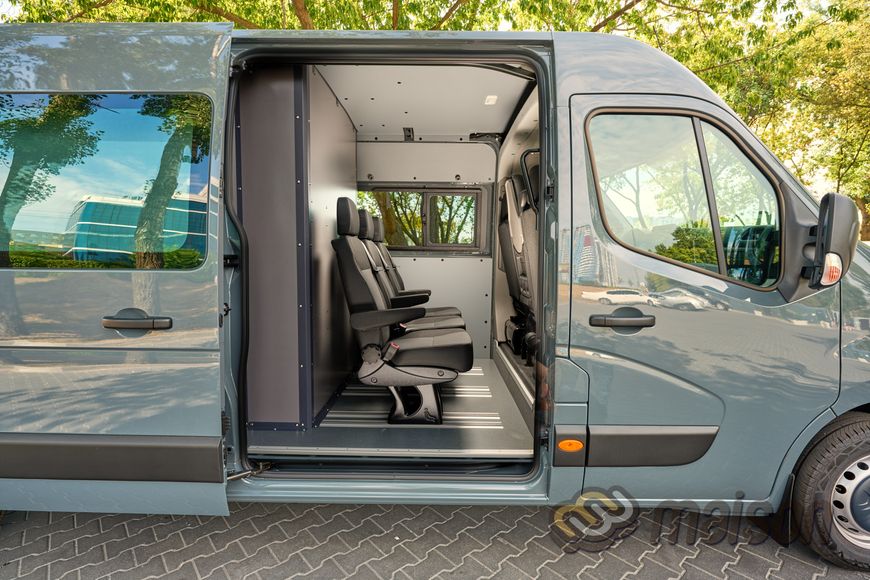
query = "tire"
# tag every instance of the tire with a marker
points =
(833, 472)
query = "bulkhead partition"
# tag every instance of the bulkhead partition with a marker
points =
(331, 175)
(297, 157)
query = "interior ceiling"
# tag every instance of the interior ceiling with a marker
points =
(438, 102)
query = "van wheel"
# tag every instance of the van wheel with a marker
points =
(832, 495)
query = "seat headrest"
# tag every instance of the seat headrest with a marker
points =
(366, 225)
(347, 217)
(378, 236)
(522, 193)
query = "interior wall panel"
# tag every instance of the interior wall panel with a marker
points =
(268, 214)
(332, 174)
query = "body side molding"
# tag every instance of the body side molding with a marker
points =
(647, 445)
(111, 457)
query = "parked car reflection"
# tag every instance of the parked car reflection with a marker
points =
(618, 296)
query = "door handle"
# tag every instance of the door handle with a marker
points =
(130, 323)
(622, 321)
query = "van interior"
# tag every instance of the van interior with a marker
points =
(384, 254)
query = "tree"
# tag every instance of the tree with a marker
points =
(693, 244)
(37, 139)
(187, 121)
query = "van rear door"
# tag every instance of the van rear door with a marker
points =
(110, 164)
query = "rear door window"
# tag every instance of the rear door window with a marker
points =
(104, 180)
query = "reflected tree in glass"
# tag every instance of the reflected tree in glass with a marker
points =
(37, 140)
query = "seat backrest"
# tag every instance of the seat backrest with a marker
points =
(506, 249)
(366, 236)
(529, 223)
(392, 270)
(361, 289)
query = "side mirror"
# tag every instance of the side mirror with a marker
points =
(836, 239)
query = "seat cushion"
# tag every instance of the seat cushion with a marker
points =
(431, 322)
(443, 311)
(446, 349)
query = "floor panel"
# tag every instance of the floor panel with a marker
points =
(480, 417)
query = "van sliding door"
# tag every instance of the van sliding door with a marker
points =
(110, 163)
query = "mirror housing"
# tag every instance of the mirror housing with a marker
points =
(836, 239)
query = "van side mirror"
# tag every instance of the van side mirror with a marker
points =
(836, 240)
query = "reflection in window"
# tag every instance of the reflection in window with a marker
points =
(103, 181)
(452, 219)
(651, 181)
(748, 211)
(401, 213)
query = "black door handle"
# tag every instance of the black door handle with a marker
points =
(147, 323)
(622, 321)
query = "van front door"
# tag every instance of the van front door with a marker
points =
(110, 163)
(702, 373)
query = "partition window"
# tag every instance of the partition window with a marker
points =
(426, 220)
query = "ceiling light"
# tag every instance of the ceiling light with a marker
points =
(490, 99)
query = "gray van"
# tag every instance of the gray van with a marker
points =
(279, 266)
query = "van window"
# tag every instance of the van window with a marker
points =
(401, 213)
(426, 220)
(748, 211)
(652, 186)
(452, 219)
(104, 180)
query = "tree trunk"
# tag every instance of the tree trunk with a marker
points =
(865, 219)
(12, 199)
(149, 229)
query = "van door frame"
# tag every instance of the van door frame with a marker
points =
(382, 48)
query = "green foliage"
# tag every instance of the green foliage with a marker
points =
(693, 244)
(42, 259)
(796, 71)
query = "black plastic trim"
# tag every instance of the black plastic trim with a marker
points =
(111, 457)
(647, 445)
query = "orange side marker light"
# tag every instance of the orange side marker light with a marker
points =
(570, 445)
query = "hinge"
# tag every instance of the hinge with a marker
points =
(545, 437)
(551, 192)
(261, 467)
(231, 261)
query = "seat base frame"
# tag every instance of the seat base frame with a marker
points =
(405, 411)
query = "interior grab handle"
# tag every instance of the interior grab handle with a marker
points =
(622, 321)
(129, 323)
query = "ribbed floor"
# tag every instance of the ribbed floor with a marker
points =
(481, 421)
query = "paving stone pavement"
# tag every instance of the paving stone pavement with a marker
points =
(276, 541)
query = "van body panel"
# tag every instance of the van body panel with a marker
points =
(593, 63)
(65, 372)
(855, 382)
(743, 359)
(759, 370)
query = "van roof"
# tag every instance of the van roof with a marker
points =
(586, 62)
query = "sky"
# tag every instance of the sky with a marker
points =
(128, 156)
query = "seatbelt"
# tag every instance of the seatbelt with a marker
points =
(375, 267)
(380, 279)
(383, 260)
